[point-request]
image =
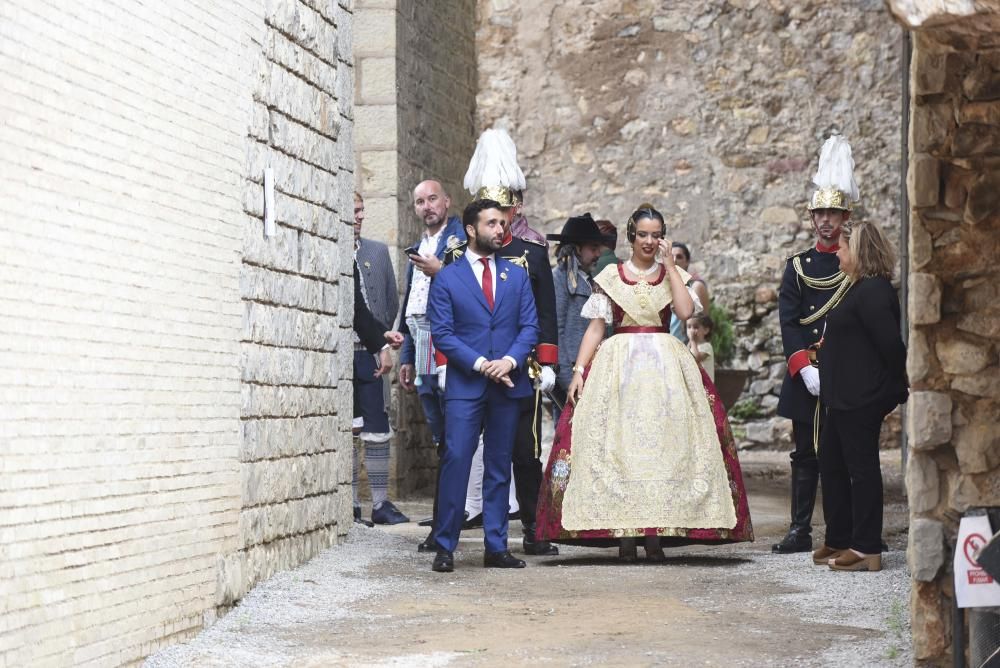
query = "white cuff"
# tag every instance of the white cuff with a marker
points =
(512, 360)
(480, 361)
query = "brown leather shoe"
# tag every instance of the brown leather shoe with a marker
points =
(849, 561)
(823, 555)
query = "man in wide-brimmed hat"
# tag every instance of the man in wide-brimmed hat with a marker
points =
(581, 242)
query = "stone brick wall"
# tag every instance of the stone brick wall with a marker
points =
(954, 338)
(714, 112)
(415, 121)
(297, 296)
(122, 134)
(174, 419)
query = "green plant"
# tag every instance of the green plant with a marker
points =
(722, 334)
(748, 409)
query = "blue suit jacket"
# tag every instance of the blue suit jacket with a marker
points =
(452, 229)
(464, 328)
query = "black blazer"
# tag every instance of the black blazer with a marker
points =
(366, 326)
(862, 362)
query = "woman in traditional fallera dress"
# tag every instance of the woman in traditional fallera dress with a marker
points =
(644, 448)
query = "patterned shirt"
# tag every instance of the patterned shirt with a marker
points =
(420, 283)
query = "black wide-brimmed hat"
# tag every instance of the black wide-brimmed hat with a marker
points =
(581, 230)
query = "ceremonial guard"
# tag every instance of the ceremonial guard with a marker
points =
(494, 175)
(811, 286)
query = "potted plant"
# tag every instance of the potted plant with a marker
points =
(728, 382)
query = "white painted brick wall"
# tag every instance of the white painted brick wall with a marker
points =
(174, 422)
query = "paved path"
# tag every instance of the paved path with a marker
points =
(375, 602)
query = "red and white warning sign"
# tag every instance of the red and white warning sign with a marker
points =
(974, 587)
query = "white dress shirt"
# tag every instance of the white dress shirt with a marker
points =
(477, 269)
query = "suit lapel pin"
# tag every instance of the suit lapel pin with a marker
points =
(503, 275)
(368, 265)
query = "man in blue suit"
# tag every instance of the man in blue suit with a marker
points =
(483, 319)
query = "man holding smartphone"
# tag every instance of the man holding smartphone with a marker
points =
(417, 368)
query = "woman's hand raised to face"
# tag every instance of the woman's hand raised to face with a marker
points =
(666, 252)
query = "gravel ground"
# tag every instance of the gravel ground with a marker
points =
(373, 601)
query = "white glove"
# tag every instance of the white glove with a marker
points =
(441, 372)
(546, 379)
(810, 376)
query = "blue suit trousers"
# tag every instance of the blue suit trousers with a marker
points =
(495, 416)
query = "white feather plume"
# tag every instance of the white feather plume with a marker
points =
(836, 168)
(494, 163)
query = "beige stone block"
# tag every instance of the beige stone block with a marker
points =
(986, 384)
(924, 302)
(376, 80)
(930, 127)
(925, 549)
(929, 419)
(379, 172)
(375, 127)
(273, 437)
(977, 446)
(779, 215)
(923, 180)
(958, 356)
(921, 244)
(983, 201)
(673, 21)
(918, 356)
(382, 223)
(375, 33)
(922, 483)
(985, 324)
(931, 613)
(928, 72)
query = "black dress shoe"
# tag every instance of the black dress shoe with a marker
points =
(537, 548)
(387, 513)
(502, 560)
(473, 522)
(426, 522)
(429, 544)
(444, 562)
(795, 541)
(360, 520)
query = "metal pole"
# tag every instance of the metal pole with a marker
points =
(904, 208)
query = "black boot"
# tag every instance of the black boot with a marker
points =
(536, 547)
(799, 536)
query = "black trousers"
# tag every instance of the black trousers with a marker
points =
(527, 465)
(852, 479)
(804, 454)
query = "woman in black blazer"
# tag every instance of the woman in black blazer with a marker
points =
(862, 369)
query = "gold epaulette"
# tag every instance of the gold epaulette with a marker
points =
(533, 241)
(521, 262)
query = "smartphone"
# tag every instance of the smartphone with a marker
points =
(412, 250)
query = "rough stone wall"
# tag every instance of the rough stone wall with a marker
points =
(954, 189)
(415, 121)
(297, 293)
(714, 112)
(175, 420)
(122, 134)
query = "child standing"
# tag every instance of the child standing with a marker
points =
(699, 329)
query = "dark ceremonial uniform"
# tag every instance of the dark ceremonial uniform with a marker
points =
(534, 257)
(811, 286)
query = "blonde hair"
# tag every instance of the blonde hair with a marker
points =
(873, 254)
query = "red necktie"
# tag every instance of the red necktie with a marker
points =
(487, 281)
